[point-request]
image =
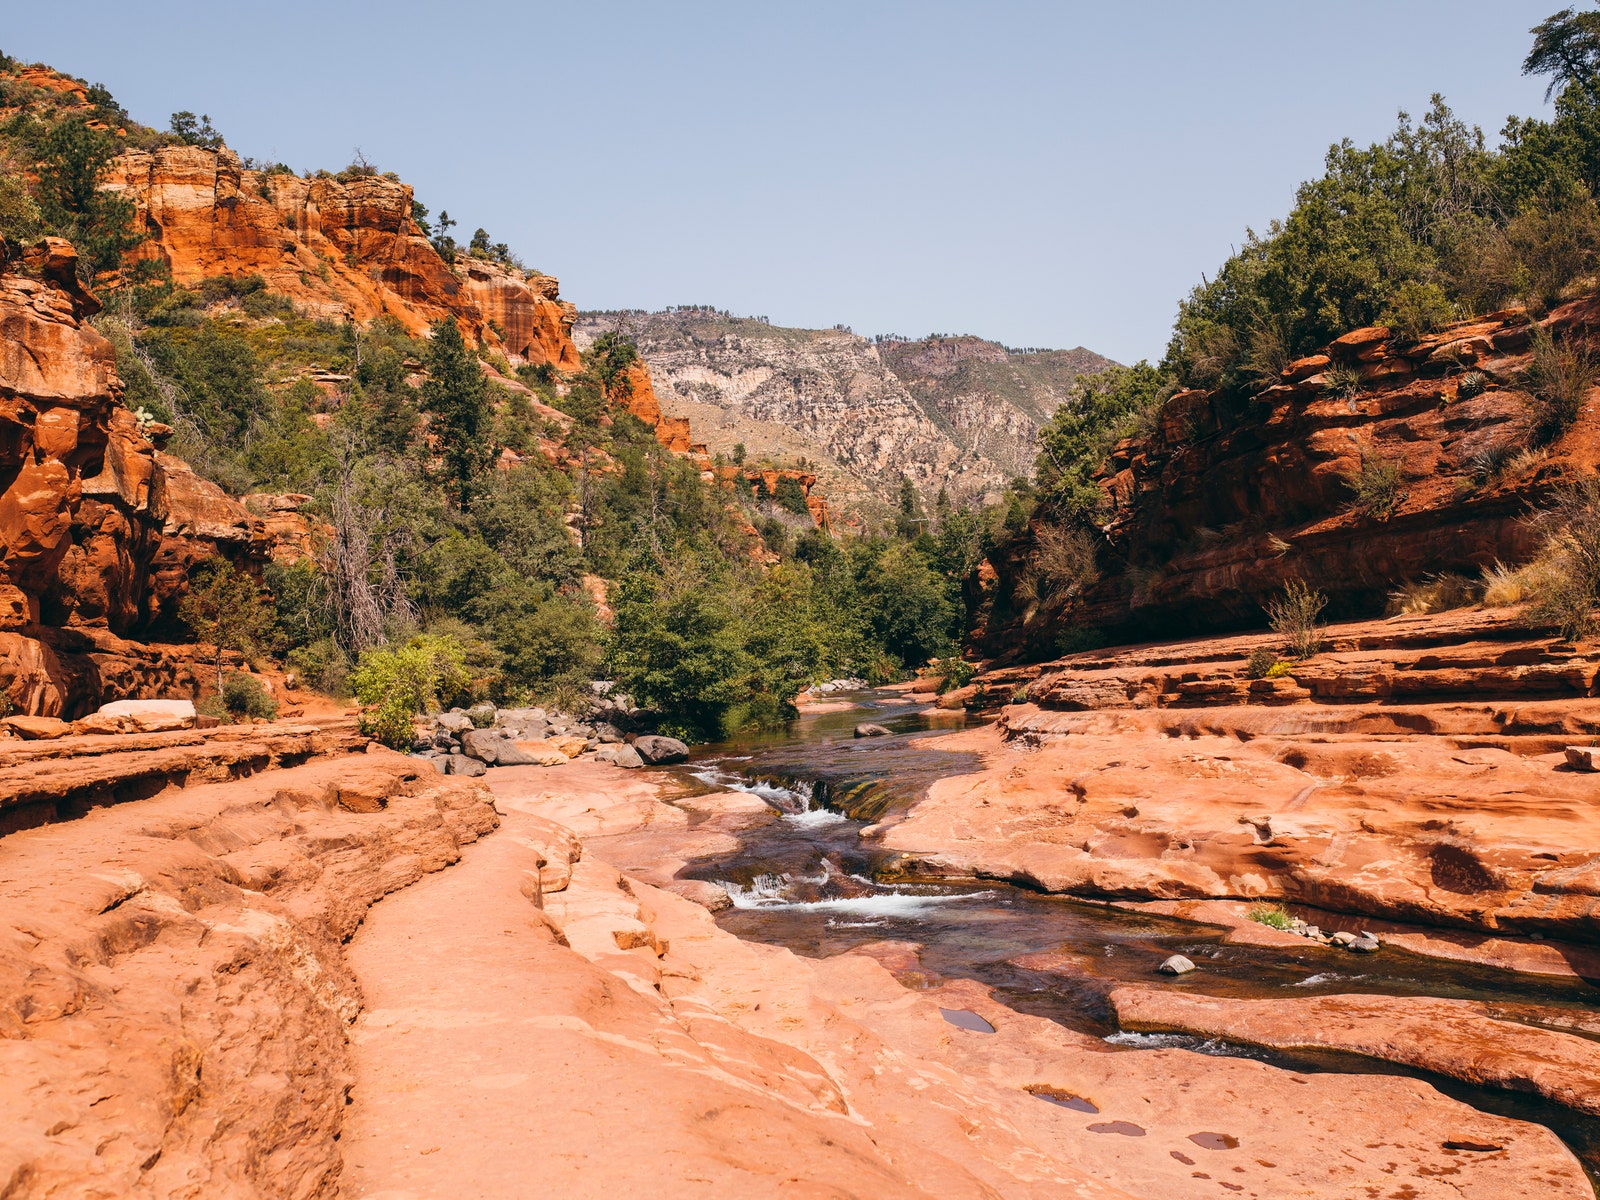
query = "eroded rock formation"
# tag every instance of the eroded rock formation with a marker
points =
(346, 250)
(959, 413)
(1233, 494)
(98, 529)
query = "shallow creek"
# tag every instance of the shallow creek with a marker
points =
(806, 880)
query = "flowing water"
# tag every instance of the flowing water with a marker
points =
(808, 881)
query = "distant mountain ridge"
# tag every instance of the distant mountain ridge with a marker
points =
(958, 412)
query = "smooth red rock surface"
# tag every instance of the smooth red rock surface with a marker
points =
(1462, 1039)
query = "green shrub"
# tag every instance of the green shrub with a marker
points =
(245, 696)
(1417, 309)
(322, 666)
(791, 496)
(1273, 915)
(1473, 383)
(1262, 660)
(1293, 617)
(398, 683)
(952, 672)
(1376, 485)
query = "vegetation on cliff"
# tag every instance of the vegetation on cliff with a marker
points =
(1431, 226)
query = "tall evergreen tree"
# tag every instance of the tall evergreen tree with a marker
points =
(456, 398)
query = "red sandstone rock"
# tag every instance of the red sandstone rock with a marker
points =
(173, 1017)
(1229, 498)
(98, 529)
(1461, 1039)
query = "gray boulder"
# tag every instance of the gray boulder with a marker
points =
(453, 722)
(656, 749)
(460, 764)
(870, 730)
(509, 754)
(481, 715)
(483, 744)
(1176, 965)
(607, 733)
(619, 756)
(1365, 944)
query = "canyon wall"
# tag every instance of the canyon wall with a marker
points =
(348, 250)
(1235, 493)
(98, 528)
(957, 413)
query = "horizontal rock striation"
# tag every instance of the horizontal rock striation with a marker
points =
(1414, 771)
(1460, 1039)
(1234, 494)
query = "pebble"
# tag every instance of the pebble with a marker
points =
(1176, 965)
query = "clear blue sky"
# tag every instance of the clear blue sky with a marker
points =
(1044, 174)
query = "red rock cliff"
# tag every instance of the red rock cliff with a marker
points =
(98, 529)
(1232, 495)
(338, 249)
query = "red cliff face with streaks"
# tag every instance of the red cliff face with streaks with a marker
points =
(1233, 495)
(347, 250)
(98, 528)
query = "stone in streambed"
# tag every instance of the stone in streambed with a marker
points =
(536, 752)
(460, 764)
(707, 895)
(1365, 944)
(656, 749)
(482, 744)
(1176, 965)
(36, 729)
(871, 731)
(152, 716)
(619, 756)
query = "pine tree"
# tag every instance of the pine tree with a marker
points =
(456, 398)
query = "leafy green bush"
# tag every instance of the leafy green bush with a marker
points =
(1112, 404)
(1293, 617)
(791, 496)
(226, 607)
(245, 696)
(395, 684)
(1262, 659)
(1417, 309)
(952, 672)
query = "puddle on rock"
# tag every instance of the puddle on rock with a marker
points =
(1125, 1128)
(961, 1018)
(1065, 1100)
(1215, 1141)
